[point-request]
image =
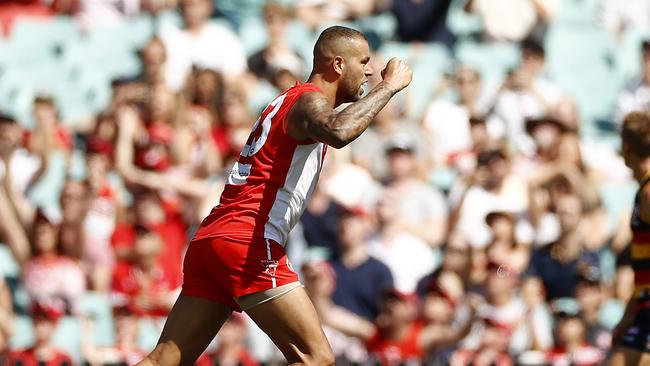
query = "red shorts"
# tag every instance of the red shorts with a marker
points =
(222, 269)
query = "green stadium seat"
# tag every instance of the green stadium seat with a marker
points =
(34, 41)
(253, 35)
(493, 61)
(98, 308)
(23, 335)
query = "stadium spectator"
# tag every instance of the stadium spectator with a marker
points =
(6, 318)
(408, 256)
(590, 299)
(318, 13)
(46, 317)
(620, 17)
(200, 42)
(360, 278)
(423, 21)
(125, 349)
(512, 21)
(526, 94)
(448, 124)
(492, 186)
(141, 283)
(557, 262)
(636, 95)
(505, 247)
(571, 343)
(277, 55)
(456, 259)
(421, 211)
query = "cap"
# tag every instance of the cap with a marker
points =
(434, 288)
(97, 145)
(400, 142)
(533, 123)
(498, 213)
(5, 118)
(50, 311)
(393, 293)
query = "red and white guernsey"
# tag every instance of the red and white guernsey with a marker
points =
(268, 187)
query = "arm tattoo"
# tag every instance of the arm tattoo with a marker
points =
(340, 129)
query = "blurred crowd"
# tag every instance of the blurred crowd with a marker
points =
(482, 219)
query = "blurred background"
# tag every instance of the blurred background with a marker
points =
(482, 218)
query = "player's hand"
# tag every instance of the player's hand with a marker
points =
(397, 73)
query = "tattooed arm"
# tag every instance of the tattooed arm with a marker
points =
(313, 118)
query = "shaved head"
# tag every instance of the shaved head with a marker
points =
(335, 41)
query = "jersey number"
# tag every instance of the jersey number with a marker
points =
(240, 172)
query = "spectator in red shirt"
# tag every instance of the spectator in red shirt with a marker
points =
(571, 343)
(141, 282)
(45, 317)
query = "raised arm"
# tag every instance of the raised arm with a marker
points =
(312, 117)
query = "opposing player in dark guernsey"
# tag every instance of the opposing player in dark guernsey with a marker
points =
(631, 337)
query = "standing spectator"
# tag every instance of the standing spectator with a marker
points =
(636, 96)
(422, 210)
(360, 278)
(526, 94)
(557, 262)
(408, 257)
(202, 43)
(49, 275)
(125, 350)
(46, 318)
(141, 283)
(424, 21)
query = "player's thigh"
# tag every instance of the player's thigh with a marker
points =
(623, 356)
(191, 325)
(293, 325)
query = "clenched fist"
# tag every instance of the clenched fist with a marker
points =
(397, 73)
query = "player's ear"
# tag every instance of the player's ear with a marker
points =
(338, 64)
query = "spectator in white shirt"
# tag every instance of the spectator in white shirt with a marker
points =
(202, 43)
(637, 95)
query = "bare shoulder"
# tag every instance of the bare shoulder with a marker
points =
(310, 108)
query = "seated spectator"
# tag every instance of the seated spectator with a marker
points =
(205, 88)
(526, 94)
(512, 21)
(231, 348)
(19, 168)
(424, 21)
(492, 350)
(277, 55)
(571, 343)
(46, 318)
(590, 299)
(447, 123)
(422, 210)
(360, 278)
(505, 247)
(140, 282)
(49, 134)
(408, 257)
(557, 262)
(321, 222)
(527, 328)
(125, 350)
(492, 186)
(200, 42)
(194, 146)
(456, 259)
(48, 275)
(637, 94)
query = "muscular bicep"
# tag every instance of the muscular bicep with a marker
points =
(311, 118)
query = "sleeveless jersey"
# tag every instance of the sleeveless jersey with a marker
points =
(640, 251)
(269, 185)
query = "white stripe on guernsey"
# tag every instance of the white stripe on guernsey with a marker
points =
(268, 256)
(291, 199)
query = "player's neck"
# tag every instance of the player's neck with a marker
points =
(643, 171)
(327, 87)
